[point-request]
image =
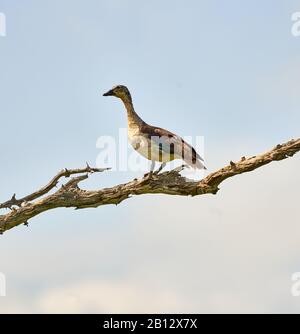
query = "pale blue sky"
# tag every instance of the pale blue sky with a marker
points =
(225, 70)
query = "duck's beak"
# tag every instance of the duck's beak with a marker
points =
(109, 93)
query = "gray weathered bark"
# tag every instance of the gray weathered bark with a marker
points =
(170, 182)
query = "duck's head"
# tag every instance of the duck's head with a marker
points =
(119, 91)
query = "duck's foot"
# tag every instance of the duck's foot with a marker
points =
(148, 175)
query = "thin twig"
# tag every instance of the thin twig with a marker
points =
(169, 182)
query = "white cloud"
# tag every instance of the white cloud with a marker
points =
(99, 297)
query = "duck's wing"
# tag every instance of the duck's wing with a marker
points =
(170, 143)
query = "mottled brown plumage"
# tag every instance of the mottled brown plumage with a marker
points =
(154, 143)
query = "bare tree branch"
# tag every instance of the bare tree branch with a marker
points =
(170, 182)
(53, 183)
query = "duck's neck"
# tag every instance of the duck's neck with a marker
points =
(134, 120)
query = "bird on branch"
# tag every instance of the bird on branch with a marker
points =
(154, 143)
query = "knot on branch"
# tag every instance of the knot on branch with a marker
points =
(169, 182)
(10, 203)
(233, 165)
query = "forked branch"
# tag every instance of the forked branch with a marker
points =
(169, 182)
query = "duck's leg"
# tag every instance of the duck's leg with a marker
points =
(162, 166)
(152, 166)
(151, 169)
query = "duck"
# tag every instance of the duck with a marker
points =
(154, 143)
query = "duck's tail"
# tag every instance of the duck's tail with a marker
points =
(196, 164)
